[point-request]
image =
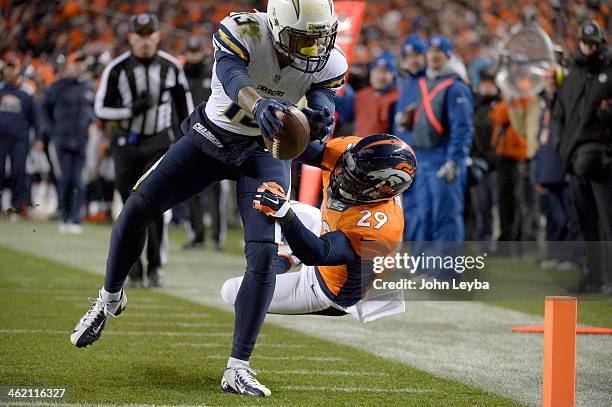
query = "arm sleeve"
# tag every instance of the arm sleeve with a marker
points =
(331, 249)
(181, 97)
(558, 121)
(313, 155)
(318, 98)
(460, 108)
(108, 98)
(232, 73)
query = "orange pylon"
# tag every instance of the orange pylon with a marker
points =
(559, 351)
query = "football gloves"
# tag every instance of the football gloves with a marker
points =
(448, 171)
(271, 200)
(264, 113)
(321, 123)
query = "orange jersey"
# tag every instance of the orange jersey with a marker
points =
(373, 230)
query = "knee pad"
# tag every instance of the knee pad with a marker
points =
(260, 255)
(229, 291)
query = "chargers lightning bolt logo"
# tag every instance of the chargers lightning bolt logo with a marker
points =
(296, 6)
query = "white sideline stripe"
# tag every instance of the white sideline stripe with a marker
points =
(59, 403)
(291, 358)
(119, 333)
(224, 345)
(165, 315)
(181, 324)
(325, 373)
(335, 389)
(147, 306)
(81, 298)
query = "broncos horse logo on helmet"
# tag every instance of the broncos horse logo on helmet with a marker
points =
(377, 168)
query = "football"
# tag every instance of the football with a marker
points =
(294, 135)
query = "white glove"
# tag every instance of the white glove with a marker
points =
(448, 171)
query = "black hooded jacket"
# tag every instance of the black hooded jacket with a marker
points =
(578, 119)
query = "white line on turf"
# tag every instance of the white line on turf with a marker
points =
(288, 358)
(335, 389)
(30, 404)
(81, 298)
(325, 373)
(181, 324)
(118, 333)
(149, 306)
(165, 315)
(223, 345)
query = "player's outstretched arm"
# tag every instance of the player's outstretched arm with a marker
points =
(331, 249)
(313, 155)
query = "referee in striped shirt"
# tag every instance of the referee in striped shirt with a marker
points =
(137, 93)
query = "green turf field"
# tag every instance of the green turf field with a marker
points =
(164, 350)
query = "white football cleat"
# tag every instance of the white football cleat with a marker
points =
(239, 379)
(89, 328)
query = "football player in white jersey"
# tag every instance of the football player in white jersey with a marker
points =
(263, 62)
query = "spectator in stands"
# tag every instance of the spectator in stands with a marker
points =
(17, 119)
(583, 128)
(510, 144)
(552, 190)
(481, 190)
(68, 110)
(413, 67)
(442, 138)
(345, 112)
(375, 104)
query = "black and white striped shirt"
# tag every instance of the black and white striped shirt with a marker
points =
(126, 78)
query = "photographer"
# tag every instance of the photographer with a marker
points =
(136, 93)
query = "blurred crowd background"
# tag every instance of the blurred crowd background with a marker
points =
(40, 31)
(42, 38)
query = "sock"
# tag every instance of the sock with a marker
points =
(231, 362)
(110, 296)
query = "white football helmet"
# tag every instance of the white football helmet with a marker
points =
(304, 31)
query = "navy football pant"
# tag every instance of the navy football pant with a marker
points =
(70, 184)
(182, 173)
(17, 149)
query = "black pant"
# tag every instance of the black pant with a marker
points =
(516, 201)
(481, 199)
(214, 198)
(593, 203)
(131, 163)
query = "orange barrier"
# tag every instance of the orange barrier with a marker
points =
(538, 329)
(559, 351)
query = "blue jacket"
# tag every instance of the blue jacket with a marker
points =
(409, 95)
(546, 167)
(344, 106)
(68, 110)
(456, 120)
(16, 112)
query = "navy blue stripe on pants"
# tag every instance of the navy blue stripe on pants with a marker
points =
(182, 173)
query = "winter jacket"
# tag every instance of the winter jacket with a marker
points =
(582, 130)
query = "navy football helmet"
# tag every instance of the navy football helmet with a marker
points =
(377, 168)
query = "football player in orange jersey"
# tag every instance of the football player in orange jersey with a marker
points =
(361, 218)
